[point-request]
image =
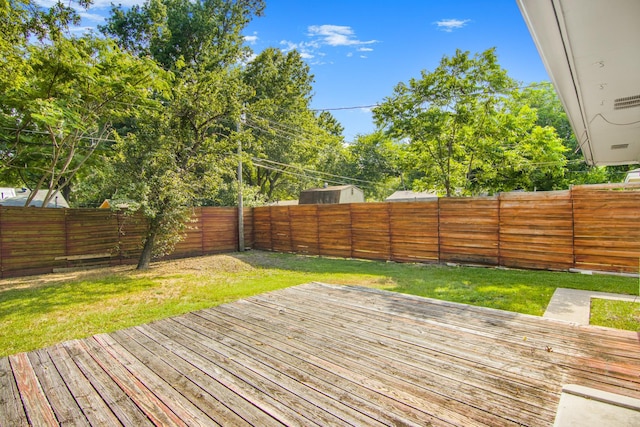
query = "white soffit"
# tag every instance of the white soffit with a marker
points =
(591, 50)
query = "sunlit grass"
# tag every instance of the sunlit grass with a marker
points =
(39, 311)
(615, 314)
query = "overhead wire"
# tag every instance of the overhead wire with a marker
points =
(255, 159)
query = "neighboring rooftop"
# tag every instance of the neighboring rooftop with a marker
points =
(21, 196)
(332, 195)
(411, 196)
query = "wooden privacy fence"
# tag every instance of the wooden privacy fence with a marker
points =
(587, 227)
(36, 240)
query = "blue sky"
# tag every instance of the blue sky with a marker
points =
(359, 50)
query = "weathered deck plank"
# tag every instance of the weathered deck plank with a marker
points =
(11, 408)
(320, 355)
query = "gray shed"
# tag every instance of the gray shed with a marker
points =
(331, 195)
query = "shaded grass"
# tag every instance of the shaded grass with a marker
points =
(40, 311)
(615, 314)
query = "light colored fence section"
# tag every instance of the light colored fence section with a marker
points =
(588, 227)
(536, 230)
(607, 227)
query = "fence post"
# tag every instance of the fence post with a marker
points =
(573, 226)
(500, 229)
(439, 240)
(1, 239)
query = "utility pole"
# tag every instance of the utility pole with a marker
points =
(240, 203)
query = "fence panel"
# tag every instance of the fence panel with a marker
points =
(262, 228)
(370, 231)
(414, 231)
(469, 230)
(281, 229)
(304, 229)
(32, 240)
(536, 230)
(334, 230)
(607, 227)
(91, 237)
(219, 230)
(248, 226)
(191, 242)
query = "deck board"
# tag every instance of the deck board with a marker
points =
(320, 355)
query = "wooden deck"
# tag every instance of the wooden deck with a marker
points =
(320, 355)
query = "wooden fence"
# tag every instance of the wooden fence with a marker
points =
(36, 241)
(588, 227)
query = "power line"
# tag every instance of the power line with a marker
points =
(312, 171)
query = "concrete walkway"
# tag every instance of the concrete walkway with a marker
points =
(574, 305)
(583, 406)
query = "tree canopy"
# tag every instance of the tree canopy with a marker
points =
(462, 134)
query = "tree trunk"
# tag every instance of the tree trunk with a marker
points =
(147, 251)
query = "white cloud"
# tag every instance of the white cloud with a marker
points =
(327, 35)
(336, 35)
(448, 25)
(251, 39)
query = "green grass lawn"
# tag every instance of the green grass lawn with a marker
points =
(615, 314)
(39, 311)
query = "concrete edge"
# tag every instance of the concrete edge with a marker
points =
(602, 396)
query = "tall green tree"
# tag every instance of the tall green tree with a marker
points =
(185, 34)
(173, 159)
(286, 139)
(461, 134)
(73, 90)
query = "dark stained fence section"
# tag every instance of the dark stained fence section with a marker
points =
(536, 230)
(607, 227)
(414, 231)
(91, 238)
(34, 240)
(469, 230)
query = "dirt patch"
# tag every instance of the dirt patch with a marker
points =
(203, 265)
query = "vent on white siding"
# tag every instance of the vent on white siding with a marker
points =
(619, 146)
(626, 102)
